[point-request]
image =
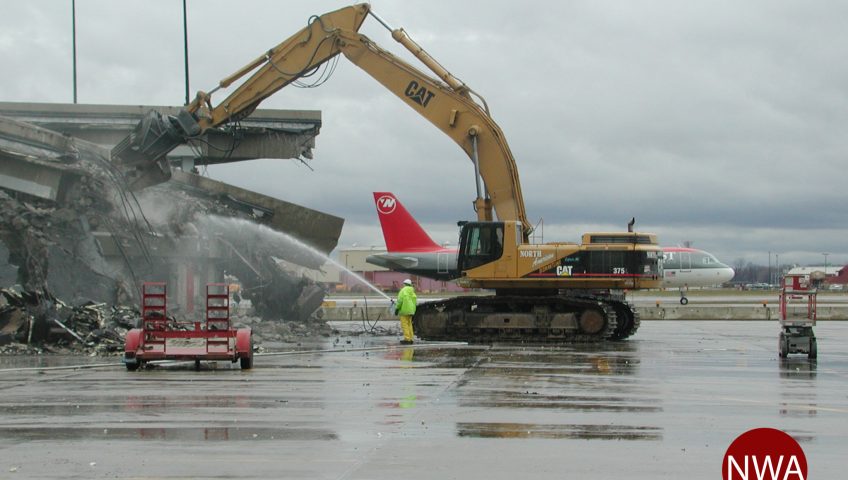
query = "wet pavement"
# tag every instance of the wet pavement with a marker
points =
(664, 404)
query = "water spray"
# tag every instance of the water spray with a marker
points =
(237, 227)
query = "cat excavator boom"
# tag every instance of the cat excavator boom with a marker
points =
(448, 104)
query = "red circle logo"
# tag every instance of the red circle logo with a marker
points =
(764, 453)
(386, 204)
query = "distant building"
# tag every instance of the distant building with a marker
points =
(834, 274)
(841, 277)
(830, 270)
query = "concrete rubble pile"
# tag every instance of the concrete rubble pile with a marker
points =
(95, 328)
(72, 263)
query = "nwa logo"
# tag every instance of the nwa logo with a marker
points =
(386, 204)
(418, 94)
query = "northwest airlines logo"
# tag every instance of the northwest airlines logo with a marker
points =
(386, 204)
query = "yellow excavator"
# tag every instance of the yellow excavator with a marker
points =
(551, 292)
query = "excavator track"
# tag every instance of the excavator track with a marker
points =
(626, 317)
(531, 319)
(628, 320)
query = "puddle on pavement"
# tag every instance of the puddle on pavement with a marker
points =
(612, 359)
(798, 368)
(573, 432)
(48, 361)
(797, 387)
(458, 357)
(583, 403)
(155, 404)
(404, 402)
(167, 434)
(585, 378)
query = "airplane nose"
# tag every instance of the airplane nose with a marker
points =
(727, 274)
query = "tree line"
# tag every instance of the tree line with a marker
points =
(749, 272)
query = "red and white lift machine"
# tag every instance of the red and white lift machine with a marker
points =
(797, 322)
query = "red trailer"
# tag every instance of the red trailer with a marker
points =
(162, 338)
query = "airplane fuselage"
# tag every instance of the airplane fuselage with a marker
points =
(438, 265)
(690, 267)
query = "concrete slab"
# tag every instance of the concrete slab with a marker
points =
(664, 404)
(266, 133)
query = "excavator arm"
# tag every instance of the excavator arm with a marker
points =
(296, 57)
(446, 102)
(450, 107)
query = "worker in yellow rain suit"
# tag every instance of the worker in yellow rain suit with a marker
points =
(405, 308)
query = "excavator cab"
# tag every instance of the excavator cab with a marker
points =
(480, 243)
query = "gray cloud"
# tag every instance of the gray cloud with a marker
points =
(717, 122)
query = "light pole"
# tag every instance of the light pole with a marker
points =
(74, 43)
(769, 268)
(185, 48)
(825, 264)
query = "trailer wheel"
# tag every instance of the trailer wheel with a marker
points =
(246, 360)
(783, 345)
(813, 353)
(132, 366)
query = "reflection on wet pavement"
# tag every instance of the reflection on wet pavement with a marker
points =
(580, 378)
(798, 368)
(664, 404)
(153, 404)
(506, 399)
(168, 433)
(581, 432)
(455, 357)
(798, 392)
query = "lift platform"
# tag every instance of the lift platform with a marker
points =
(797, 334)
(163, 338)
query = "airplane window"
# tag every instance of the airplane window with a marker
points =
(711, 260)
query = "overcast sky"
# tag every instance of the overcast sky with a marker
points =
(718, 122)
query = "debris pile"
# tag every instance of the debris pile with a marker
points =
(266, 333)
(73, 257)
(100, 329)
(94, 328)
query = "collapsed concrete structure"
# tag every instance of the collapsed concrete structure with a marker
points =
(72, 233)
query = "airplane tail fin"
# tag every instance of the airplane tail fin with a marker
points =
(400, 229)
